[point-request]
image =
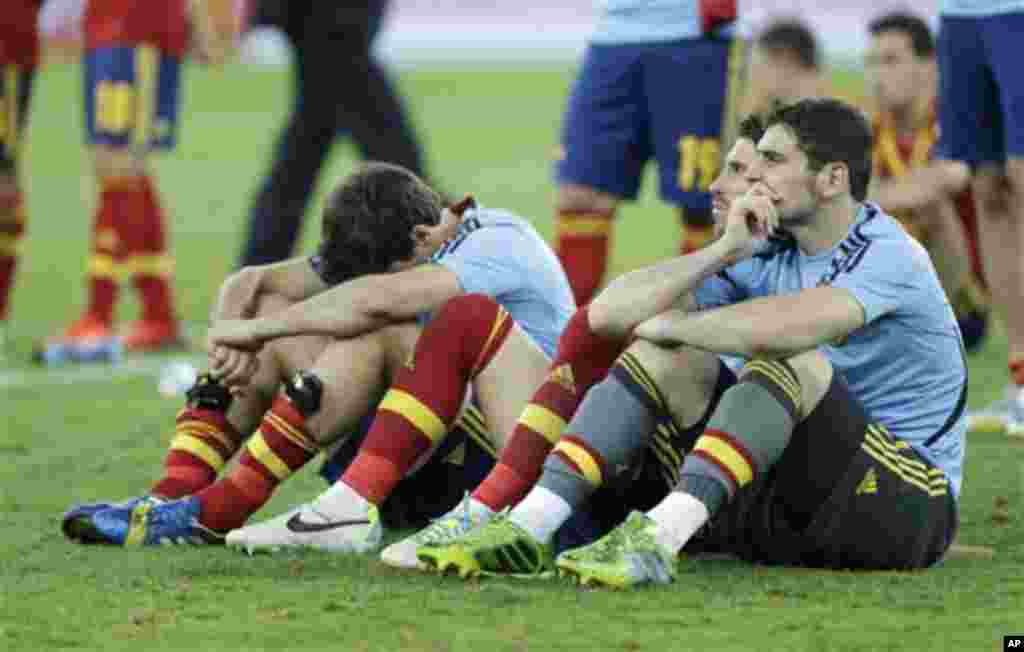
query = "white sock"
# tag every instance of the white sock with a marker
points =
(339, 502)
(541, 513)
(678, 516)
(479, 510)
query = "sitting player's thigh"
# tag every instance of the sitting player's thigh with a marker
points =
(15, 94)
(131, 97)
(692, 88)
(604, 129)
(504, 387)
(970, 111)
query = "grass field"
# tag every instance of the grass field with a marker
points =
(67, 438)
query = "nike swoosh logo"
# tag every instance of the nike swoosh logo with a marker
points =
(296, 524)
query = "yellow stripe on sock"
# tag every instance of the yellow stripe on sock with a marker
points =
(205, 429)
(195, 446)
(150, 265)
(260, 450)
(499, 321)
(588, 465)
(9, 245)
(291, 433)
(418, 414)
(591, 224)
(543, 421)
(727, 456)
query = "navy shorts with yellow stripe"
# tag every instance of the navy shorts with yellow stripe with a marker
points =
(131, 97)
(15, 96)
(673, 102)
(883, 505)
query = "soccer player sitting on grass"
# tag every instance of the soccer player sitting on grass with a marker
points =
(841, 442)
(587, 348)
(342, 325)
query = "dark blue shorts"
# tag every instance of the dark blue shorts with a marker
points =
(131, 97)
(15, 93)
(666, 101)
(981, 88)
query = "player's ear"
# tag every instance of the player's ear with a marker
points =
(833, 179)
(421, 233)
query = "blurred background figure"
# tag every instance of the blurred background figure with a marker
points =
(19, 56)
(928, 196)
(786, 65)
(659, 81)
(339, 89)
(133, 57)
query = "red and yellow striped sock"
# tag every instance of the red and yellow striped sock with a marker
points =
(582, 459)
(582, 360)
(150, 264)
(110, 237)
(203, 442)
(582, 243)
(12, 229)
(457, 344)
(280, 447)
(1016, 366)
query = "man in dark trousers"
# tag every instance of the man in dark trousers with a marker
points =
(339, 88)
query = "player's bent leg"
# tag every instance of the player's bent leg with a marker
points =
(502, 389)
(583, 227)
(605, 438)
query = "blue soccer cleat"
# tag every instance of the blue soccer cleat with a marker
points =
(149, 522)
(76, 522)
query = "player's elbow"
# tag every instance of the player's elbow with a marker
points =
(380, 299)
(607, 318)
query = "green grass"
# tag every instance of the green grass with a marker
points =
(492, 133)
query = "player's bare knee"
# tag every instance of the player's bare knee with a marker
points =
(686, 377)
(114, 162)
(814, 371)
(583, 199)
(992, 192)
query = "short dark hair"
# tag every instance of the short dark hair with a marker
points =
(751, 128)
(368, 220)
(922, 42)
(793, 37)
(830, 131)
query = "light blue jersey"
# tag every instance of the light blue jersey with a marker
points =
(647, 21)
(980, 7)
(502, 256)
(906, 364)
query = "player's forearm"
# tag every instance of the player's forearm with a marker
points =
(338, 312)
(774, 327)
(640, 295)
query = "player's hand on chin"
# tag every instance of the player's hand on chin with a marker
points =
(751, 219)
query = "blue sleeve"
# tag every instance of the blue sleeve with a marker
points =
(884, 276)
(490, 261)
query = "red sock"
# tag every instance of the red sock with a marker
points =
(583, 359)
(697, 230)
(280, 447)
(203, 442)
(420, 407)
(12, 229)
(148, 258)
(582, 246)
(110, 236)
(1017, 371)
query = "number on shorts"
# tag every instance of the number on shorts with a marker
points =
(698, 162)
(115, 107)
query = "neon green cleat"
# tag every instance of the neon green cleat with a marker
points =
(499, 547)
(627, 556)
(442, 531)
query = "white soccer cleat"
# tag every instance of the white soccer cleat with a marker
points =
(305, 527)
(455, 523)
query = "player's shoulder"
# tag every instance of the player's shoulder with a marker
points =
(877, 229)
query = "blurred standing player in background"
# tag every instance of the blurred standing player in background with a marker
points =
(133, 56)
(981, 112)
(785, 66)
(927, 196)
(339, 87)
(19, 55)
(633, 100)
